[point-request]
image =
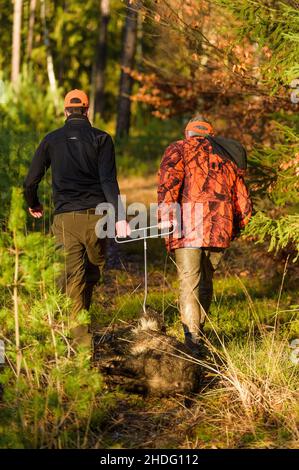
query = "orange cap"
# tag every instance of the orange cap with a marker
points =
(76, 99)
(198, 127)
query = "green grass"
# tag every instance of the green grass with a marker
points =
(240, 304)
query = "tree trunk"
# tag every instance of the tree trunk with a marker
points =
(31, 28)
(127, 62)
(16, 41)
(98, 74)
(50, 64)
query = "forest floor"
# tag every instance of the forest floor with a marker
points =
(253, 294)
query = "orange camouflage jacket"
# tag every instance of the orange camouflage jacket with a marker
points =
(209, 191)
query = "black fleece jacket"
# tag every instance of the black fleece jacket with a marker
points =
(82, 159)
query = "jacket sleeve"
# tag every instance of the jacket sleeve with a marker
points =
(242, 204)
(108, 178)
(39, 165)
(170, 179)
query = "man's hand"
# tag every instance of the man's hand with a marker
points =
(36, 212)
(167, 225)
(122, 229)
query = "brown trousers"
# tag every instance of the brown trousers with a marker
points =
(196, 267)
(84, 259)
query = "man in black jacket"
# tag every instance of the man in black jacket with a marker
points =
(82, 160)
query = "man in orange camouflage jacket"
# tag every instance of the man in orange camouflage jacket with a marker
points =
(201, 188)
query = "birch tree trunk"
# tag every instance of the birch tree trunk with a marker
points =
(31, 28)
(50, 63)
(16, 41)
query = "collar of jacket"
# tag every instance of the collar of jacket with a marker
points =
(193, 139)
(77, 119)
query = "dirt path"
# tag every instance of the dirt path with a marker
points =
(139, 422)
(139, 189)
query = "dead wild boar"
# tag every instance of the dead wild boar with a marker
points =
(145, 360)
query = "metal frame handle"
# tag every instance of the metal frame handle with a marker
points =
(145, 238)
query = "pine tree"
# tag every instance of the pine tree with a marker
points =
(275, 25)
